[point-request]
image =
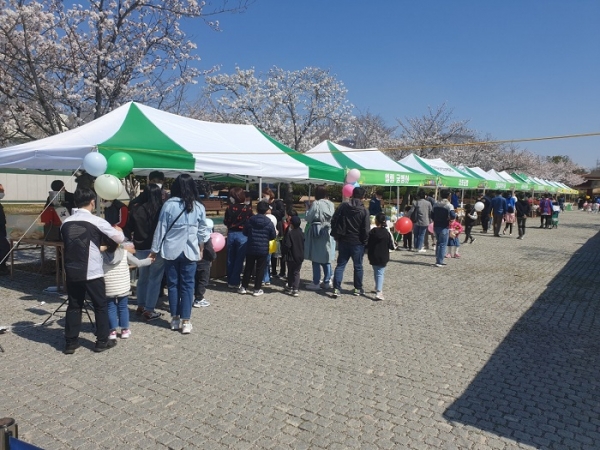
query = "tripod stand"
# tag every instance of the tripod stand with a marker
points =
(86, 304)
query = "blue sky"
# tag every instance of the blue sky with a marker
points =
(514, 68)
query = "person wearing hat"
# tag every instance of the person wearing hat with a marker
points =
(292, 252)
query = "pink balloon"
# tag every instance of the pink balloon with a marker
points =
(430, 228)
(218, 241)
(347, 190)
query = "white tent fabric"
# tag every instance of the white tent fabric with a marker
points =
(215, 147)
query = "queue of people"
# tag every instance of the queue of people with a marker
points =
(169, 236)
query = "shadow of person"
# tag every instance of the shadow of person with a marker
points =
(52, 336)
(540, 387)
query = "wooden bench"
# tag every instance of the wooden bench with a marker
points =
(213, 205)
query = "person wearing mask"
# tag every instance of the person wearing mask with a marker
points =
(143, 219)
(82, 234)
(376, 203)
(155, 177)
(277, 208)
(179, 238)
(320, 246)
(4, 245)
(350, 227)
(235, 218)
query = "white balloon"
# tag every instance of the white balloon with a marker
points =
(353, 176)
(274, 220)
(479, 206)
(95, 164)
(108, 187)
(209, 223)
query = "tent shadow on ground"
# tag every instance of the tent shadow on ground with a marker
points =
(541, 385)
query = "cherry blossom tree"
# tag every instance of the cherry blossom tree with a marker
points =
(62, 66)
(371, 131)
(298, 108)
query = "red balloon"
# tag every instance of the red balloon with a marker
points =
(403, 225)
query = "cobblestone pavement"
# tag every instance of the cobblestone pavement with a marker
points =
(499, 350)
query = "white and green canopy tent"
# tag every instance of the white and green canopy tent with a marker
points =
(445, 174)
(159, 140)
(376, 168)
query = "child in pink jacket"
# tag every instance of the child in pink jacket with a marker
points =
(454, 230)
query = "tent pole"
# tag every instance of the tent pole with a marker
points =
(397, 199)
(259, 188)
(278, 190)
(462, 199)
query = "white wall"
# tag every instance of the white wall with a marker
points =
(28, 188)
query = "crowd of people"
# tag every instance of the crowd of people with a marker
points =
(165, 236)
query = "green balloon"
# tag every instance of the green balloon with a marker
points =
(120, 165)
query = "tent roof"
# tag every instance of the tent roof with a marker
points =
(376, 168)
(159, 140)
(446, 174)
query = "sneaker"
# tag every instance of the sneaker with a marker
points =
(71, 347)
(151, 315)
(327, 285)
(439, 265)
(266, 283)
(102, 346)
(448, 255)
(472, 240)
(358, 292)
(336, 293)
(422, 251)
(257, 293)
(200, 303)
(295, 293)
(139, 310)
(232, 286)
(457, 255)
(112, 334)
(379, 296)
(186, 327)
(287, 289)
(175, 323)
(241, 290)
(126, 333)
(313, 287)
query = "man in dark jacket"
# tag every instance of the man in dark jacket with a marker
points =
(485, 212)
(350, 226)
(260, 230)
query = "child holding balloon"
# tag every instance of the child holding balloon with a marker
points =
(407, 238)
(378, 250)
(203, 266)
(454, 230)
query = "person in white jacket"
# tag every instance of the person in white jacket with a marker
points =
(117, 279)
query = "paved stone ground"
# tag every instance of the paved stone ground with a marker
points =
(497, 350)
